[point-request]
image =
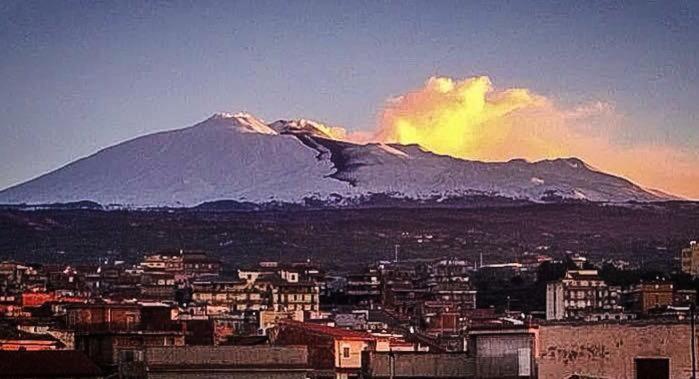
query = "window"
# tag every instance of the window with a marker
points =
(127, 356)
(652, 368)
(345, 352)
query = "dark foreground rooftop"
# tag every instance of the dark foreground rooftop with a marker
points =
(47, 364)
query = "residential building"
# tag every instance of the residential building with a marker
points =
(645, 297)
(578, 293)
(184, 265)
(364, 288)
(106, 316)
(295, 296)
(235, 295)
(270, 318)
(690, 259)
(499, 272)
(198, 264)
(684, 298)
(333, 352)
(158, 286)
(171, 262)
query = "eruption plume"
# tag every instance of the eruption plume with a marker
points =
(470, 119)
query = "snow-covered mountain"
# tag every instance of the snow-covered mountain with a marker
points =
(238, 157)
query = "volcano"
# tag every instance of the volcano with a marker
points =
(238, 157)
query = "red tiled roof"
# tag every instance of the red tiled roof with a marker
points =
(46, 364)
(329, 330)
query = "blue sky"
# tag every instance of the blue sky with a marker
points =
(77, 76)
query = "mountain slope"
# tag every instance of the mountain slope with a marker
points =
(238, 157)
(224, 157)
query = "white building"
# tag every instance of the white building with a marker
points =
(579, 293)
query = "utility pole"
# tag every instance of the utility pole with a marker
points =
(694, 357)
(391, 364)
(395, 253)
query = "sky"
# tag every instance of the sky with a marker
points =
(78, 76)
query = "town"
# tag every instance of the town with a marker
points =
(185, 314)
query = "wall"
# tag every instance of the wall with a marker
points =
(503, 353)
(554, 301)
(608, 350)
(355, 356)
(321, 349)
(412, 365)
(229, 374)
(227, 362)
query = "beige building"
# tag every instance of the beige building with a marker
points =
(626, 350)
(690, 259)
(333, 352)
(645, 297)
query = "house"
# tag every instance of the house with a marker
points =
(47, 364)
(333, 352)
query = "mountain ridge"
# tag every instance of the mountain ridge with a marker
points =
(238, 157)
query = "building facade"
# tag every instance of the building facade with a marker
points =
(578, 293)
(690, 259)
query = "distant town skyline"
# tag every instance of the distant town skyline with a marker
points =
(614, 83)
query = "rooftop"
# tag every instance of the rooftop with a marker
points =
(8, 332)
(328, 330)
(46, 364)
(228, 356)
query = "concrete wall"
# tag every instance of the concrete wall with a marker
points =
(499, 345)
(228, 355)
(419, 365)
(206, 362)
(498, 354)
(228, 375)
(609, 350)
(554, 301)
(354, 361)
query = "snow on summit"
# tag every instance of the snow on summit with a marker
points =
(236, 156)
(245, 122)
